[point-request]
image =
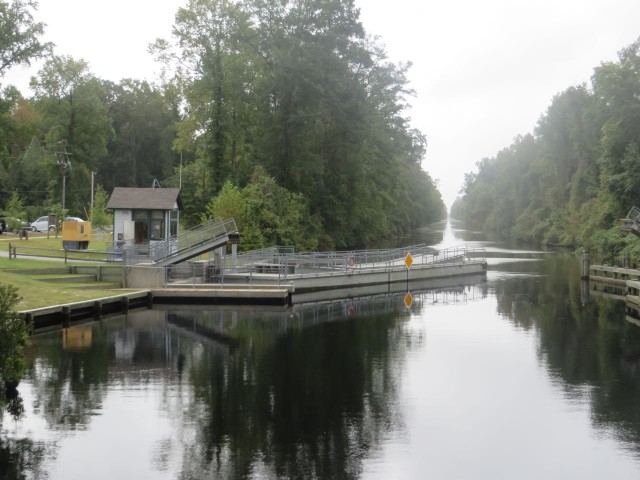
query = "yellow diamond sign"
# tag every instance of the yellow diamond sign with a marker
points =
(408, 300)
(408, 260)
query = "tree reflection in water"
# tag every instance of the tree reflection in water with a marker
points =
(251, 394)
(311, 403)
(19, 458)
(590, 348)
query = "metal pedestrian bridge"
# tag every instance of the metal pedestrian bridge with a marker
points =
(314, 271)
(183, 246)
(631, 223)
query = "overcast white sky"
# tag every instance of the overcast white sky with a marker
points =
(483, 71)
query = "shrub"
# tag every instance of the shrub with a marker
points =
(14, 333)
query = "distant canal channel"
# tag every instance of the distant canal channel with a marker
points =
(512, 376)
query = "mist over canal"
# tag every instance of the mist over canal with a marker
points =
(512, 376)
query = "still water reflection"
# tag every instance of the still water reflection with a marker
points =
(512, 376)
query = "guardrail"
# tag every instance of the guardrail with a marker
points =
(59, 253)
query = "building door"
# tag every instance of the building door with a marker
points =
(141, 232)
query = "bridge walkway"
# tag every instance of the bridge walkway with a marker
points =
(184, 246)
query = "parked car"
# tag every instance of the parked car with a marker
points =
(73, 219)
(42, 224)
(10, 224)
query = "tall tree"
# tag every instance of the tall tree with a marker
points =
(617, 92)
(216, 74)
(567, 146)
(579, 176)
(140, 151)
(19, 42)
(76, 126)
(19, 124)
(296, 87)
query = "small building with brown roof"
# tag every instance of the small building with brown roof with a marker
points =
(145, 215)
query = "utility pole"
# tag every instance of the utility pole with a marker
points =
(180, 174)
(93, 176)
(64, 162)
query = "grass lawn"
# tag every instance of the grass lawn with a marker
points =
(35, 293)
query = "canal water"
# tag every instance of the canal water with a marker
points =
(519, 375)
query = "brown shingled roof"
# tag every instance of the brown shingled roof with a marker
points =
(145, 198)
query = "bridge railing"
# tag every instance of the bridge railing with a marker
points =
(158, 251)
(631, 223)
(633, 215)
(369, 259)
(282, 264)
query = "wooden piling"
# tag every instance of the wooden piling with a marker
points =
(585, 265)
(66, 316)
(125, 304)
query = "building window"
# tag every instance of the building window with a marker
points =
(157, 225)
(149, 225)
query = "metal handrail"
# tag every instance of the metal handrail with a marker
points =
(363, 258)
(284, 267)
(633, 215)
(159, 251)
(261, 265)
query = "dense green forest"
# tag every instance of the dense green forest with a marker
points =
(571, 181)
(284, 107)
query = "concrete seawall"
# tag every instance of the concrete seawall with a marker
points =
(263, 289)
(63, 315)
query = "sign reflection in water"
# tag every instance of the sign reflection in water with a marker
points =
(512, 377)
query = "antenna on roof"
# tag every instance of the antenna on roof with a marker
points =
(155, 183)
